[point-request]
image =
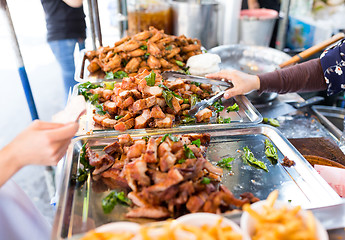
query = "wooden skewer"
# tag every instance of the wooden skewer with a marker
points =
(314, 49)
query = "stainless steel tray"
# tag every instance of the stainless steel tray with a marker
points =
(247, 115)
(79, 210)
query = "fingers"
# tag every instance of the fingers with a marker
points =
(41, 125)
(65, 132)
(231, 93)
(224, 74)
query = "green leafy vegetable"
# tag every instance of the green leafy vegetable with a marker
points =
(84, 89)
(109, 85)
(146, 55)
(118, 117)
(99, 109)
(146, 138)
(273, 122)
(187, 71)
(151, 79)
(188, 119)
(168, 98)
(168, 95)
(172, 138)
(248, 158)
(218, 106)
(116, 75)
(181, 161)
(206, 180)
(223, 120)
(225, 163)
(93, 98)
(196, 84)
(179, 63)
(143, 47)
(185, 100)
(271, 152)
(83, 173)
(193, 99)
(188, 152)
(197, 142)
(233, 108)
(168, 47)
(113, 198)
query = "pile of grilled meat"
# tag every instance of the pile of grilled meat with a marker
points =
(150, 50)
(134, 103)
(165, 176)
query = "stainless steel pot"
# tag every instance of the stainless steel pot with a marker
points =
(252, 60)
(196, 19)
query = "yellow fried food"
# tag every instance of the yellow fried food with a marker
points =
(92, 235)
(281, 223)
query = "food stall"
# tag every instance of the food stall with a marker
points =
(143, 155)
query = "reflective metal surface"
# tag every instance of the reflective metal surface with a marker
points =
(246, 116)
(252, 60)
(196, 20)
(79, 209)
(331, 117)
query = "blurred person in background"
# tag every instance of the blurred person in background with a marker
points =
(66, 27)
(42, 143)
(324, 73)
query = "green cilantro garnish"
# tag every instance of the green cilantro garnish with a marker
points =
(225, 163)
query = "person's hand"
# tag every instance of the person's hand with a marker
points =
(42, 143)
(243, 82)
(253, 4)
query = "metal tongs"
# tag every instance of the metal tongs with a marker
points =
(173, 75)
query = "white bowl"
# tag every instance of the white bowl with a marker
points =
(119, 227)
(200, 219)
(248, 222)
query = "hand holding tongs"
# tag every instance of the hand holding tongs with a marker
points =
(173, 75)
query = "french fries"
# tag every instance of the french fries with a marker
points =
(92, 235)
(281, 223)
(172, 230)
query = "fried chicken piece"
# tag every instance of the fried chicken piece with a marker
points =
(153, 49)
(113, 63)
(128, 46)
(150, 156)
(165, 63)
(142, 36)
(203, 115)
(133, 65)
(121, 41)
(153, 62)
(157, 36)
(123, 126)
(142, 120)
(190, 48)
(136, 53)
(149, 212)
(94, 65)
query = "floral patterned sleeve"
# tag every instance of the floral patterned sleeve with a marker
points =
(333, 66)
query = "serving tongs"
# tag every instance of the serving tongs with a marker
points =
(173, 75)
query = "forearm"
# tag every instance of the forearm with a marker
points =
(9, 164)
(74, 3)
(309, 76)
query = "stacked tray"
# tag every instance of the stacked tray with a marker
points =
(80, 209)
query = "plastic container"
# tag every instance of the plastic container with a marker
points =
(145, 13)
(256, 26)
